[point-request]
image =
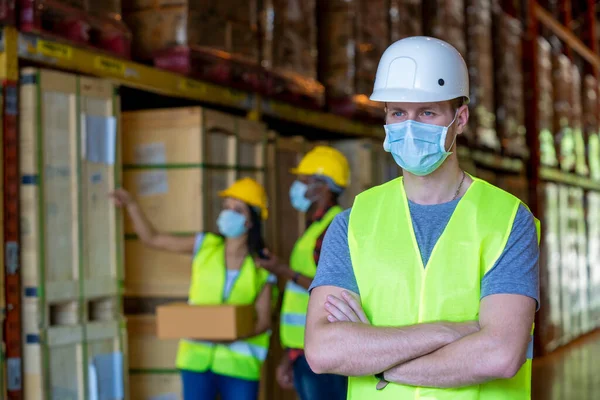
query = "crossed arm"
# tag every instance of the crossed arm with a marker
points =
(340, 340)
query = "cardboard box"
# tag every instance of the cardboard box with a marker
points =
(222, 322)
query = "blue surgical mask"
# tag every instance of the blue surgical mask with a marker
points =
(231, 224)
(417, 147)
(298, 196)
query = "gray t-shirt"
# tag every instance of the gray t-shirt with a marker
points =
(515, 272)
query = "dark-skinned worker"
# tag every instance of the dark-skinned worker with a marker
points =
(428, 286)
(223, 272)
(323, 173)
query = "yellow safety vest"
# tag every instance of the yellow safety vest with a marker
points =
(240, 359)
(397, 290)
(295, 297)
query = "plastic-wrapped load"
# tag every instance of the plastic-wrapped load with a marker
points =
(446, 21)
(372, 33)
(337, 52)
(591, 125)
(510, 96)
(577, 123)
(71, 21)
(104, 7)
(563, 111)
(545, 105)
(549, 330)
(480, 59)
(406, 18)
(8, 12)
(350, 46)
(157, 29)
(289, 51)
(593, 222)
(215, 40)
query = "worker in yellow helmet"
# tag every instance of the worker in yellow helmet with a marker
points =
(223, 272)
(428, 287)
(322, 174)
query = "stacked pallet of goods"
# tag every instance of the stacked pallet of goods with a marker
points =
(71, 237)
(289, 52)
(350, 45)
(90, 23)
(213, 40)
(175, 161)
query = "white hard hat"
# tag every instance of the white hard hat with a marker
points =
(421, 69)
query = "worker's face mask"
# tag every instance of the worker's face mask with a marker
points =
(231, 224)
(417, 147)
(298, 196)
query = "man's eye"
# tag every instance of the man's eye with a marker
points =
(428, 114)
(397, 113)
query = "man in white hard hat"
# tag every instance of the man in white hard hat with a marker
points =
(427, 288)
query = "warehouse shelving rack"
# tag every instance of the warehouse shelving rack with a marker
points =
(29, 48)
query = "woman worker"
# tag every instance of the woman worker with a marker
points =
(223, 272)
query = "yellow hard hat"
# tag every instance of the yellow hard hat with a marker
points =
(326, 161)
(250, 192)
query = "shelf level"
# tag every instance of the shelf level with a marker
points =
(53, 53)
(558, 176)
(497, 162)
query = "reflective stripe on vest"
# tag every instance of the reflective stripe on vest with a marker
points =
(240, 359)
(391, 275)
(295, 297)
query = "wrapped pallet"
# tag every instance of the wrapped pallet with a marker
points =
(405, 19)
(593, 255)
(349, 49)
(71, 233)
(571, 247)
(563, 111)
(510, 96)
(73, 21)
(480, 59)
(104, 7)
(372, 32)
(210, 39)
(445, 19)
(592, 131)
(289, 51)
(337, 53)
(548, 155)
(549, 329)
(581, 166)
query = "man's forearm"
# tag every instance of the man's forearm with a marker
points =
(474, 359)
(355, 349)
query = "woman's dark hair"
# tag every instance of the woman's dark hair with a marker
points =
(256, 242)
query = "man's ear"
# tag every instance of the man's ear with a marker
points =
(462, 119)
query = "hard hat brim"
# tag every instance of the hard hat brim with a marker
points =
(264, 213)
(413, 96)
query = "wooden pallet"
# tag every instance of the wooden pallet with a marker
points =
(71, 237)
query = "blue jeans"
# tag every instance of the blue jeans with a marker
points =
(206, 386)
(311, 386)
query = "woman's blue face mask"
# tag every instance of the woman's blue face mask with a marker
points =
(417, 147)
(231, 224)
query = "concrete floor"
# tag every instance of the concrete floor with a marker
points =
(571, 373)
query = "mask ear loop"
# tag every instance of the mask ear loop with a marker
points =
(443, 139)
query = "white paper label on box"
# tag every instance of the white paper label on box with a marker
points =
(13, 374)
(150, 153)
(152, 183)
(167, 396)
(99, 139)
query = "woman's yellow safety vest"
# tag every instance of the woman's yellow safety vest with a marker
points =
(396, 289)
(295, 297)
(240, 359)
